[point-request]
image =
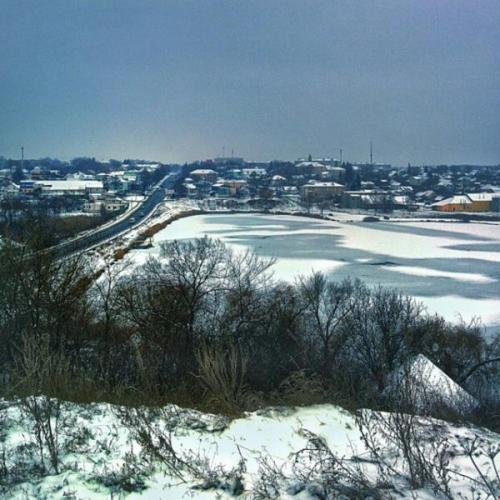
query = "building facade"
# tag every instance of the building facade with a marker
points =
(321, 191)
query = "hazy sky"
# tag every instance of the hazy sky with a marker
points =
(178, 80)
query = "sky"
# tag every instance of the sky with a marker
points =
(178, 81)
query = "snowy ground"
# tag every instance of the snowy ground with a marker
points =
(452, 267)
(98, 451)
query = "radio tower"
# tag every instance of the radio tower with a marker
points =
(371, 153)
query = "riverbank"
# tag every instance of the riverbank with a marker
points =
(170, 212)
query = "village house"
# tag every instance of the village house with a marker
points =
(367, 198)
(70, 187)
(108, 205)
(481, 202)
(321, 191)
(204, 174)
(473, 202)
(62, 187)
(234, 185)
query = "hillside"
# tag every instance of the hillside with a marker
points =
(311, 452)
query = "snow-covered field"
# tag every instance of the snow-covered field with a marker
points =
(452, 267)
(101, 458)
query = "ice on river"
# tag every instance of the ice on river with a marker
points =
(452, 267)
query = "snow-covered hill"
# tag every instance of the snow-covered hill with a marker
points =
(106, 451)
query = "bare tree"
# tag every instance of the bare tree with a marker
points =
(195, 269)
(104, 289)
(380, 322)
(326, 307)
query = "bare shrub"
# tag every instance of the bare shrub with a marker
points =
(214, 476)
(39, 367)
(482, 455)
(420, 460)
(40, 371)
(271, 479)
(420, 451)
(46, 416)
(319, 472)
(153, 429)
(129, 477)
(222, 373)
(318, 466)
(301, 388)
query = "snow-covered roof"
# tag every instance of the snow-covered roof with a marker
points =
(69, 185)
(323, 184)
(401, 199)
(203, 171)
(234, 181)
(249, 171)
(445, 182)
(464, 199)
(426, 193)
(79, 176)
(147, 165)
(310, 164)
(461, 199)
(424, 385)
(480, 196)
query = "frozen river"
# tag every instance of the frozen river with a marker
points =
(453, 268)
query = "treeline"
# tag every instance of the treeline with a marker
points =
(79, 164)
(18, 218)
(205, 326)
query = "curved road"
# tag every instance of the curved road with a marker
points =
(135, 217)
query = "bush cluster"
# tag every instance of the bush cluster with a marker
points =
(203, 325)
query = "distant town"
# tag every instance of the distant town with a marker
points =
(91, 187)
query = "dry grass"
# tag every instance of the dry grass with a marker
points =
(222, 374)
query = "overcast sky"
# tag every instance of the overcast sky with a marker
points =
(178, 80)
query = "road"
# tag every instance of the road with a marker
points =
(135, 218)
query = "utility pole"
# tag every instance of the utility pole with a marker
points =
(22, 158)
